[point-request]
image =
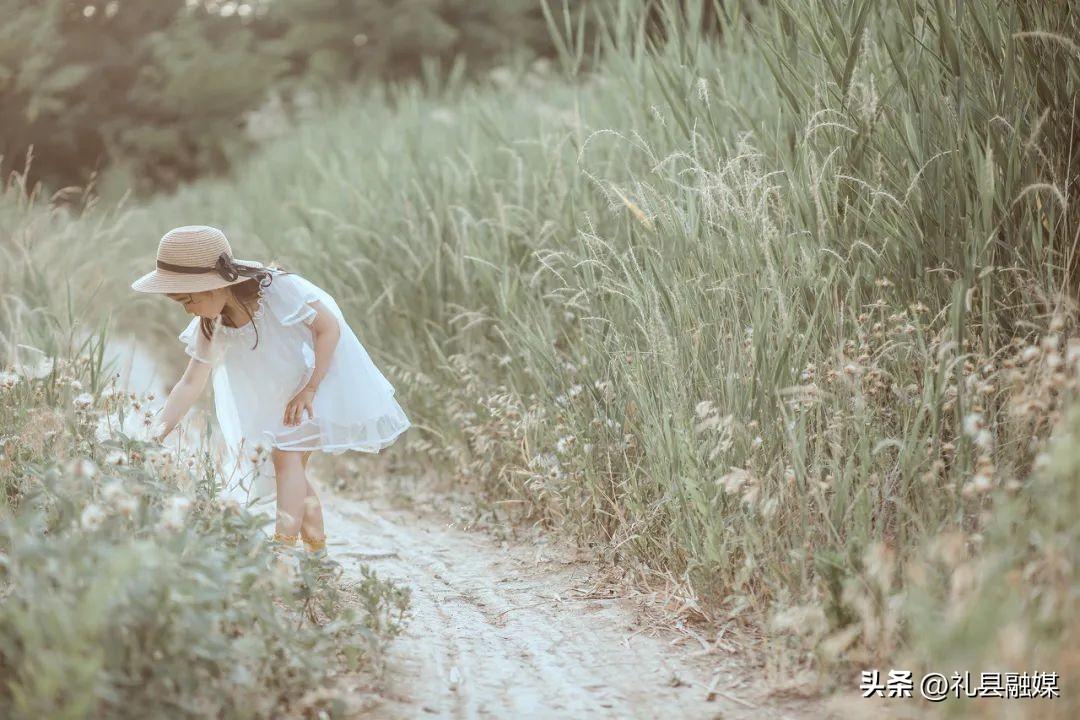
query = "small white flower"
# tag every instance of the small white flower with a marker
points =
(76, 385)
(734, 480)
(176, 509)
(92, 517)
(83, 401)
(82, 468)
(756, 442)
(127, 505)
(113, 491)
(8, 380)
(973, 423)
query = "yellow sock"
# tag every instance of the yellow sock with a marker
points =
(315, 544)
(287, 540)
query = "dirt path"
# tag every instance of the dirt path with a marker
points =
(520, 630)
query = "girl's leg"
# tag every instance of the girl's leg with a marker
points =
(313, 518)
(291, 491)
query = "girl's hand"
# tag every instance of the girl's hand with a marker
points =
(294, 411)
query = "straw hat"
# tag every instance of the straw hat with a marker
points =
(193, 258)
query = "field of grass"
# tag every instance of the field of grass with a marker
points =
(785, 314)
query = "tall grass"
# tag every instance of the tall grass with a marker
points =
(781, 314)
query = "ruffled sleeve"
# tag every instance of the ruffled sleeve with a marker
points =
(288, 297)
(197, 346)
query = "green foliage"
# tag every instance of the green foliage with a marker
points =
(335, 41)
(160, 91)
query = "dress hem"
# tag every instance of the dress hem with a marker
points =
(338, 448)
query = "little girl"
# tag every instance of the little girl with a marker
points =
(290, 376)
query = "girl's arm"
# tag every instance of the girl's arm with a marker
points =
(325, 333)
(182, 397)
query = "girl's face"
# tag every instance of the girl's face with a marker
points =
(207, 303)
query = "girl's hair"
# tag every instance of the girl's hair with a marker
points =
(247, 292)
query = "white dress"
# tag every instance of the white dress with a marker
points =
(354, 406)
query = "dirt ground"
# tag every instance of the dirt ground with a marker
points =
(527, 627)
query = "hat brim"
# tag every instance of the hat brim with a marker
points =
(165, 281)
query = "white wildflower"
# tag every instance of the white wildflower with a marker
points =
(33, 363)
(112, 491)
(127, 505)
(8, 380)
(83, 401)
(176, 510)
(92, 517)
(733, 481)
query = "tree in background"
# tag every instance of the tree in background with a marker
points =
(158, 90)
(335, 41)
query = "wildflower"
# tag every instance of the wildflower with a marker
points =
(92, 517)
(734, 480)
(756, 443)
(562, 445)
(1030, 353)
(973, 423)
(1072, 351)
(82, 468)
(83, 401)
(117, 458)
(228, 504)
(42, 366)
(176, 509)
(127, 505)
(113, 491)
(75, 385)
(8, 380)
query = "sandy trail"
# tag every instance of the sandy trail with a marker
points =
(520, 630)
